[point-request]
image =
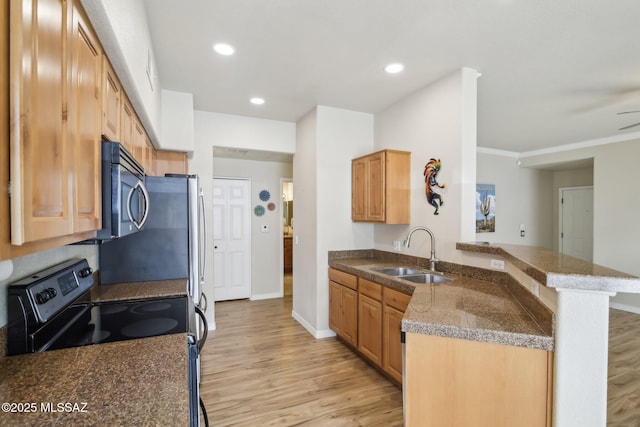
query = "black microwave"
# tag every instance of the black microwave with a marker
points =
(125, 201)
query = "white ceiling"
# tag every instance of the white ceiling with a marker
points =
(554, 72)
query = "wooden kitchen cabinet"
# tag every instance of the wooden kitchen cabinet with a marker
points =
(395, 304)
(171, 162)
(380, 185)
(370, 320)
(127, 118)
(343, 305)
(85, 121)
(457, 382)
(287, 254)
(139, 142)
(112, 102)
(54, 73)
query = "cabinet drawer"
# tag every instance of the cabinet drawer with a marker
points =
(396, 299)
(370, 289)
(346, 279)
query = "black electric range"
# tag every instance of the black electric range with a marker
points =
(52, 310)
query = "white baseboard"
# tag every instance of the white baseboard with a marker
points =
(265, 296)
(327, 333)
(624, 307)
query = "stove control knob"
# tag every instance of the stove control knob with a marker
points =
(52, 292)
(42, 297)
(85, 272)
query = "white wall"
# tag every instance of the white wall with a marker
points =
(26, 265)
(122, 28)
(212, 129)
(327, 140)
(438, 121)
(228, 130)
(523, 196)
(177, 121)
(266, 248)
(616, 231)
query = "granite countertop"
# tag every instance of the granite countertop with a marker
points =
(556, 270)
(138, 290)
(468, 307)
(135, 382)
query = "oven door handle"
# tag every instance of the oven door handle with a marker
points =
(201, 341)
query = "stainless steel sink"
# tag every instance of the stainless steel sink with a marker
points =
(398, 271)
(426, 278)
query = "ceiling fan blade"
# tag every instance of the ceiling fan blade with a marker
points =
(630, 126)
(628, 112)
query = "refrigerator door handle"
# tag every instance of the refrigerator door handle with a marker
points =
(202, 306)
(205, 332)
(203, 236)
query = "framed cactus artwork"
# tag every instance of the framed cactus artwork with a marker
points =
(485, 208)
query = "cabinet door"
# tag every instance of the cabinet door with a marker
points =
(375, 201)
(335, 307)
(170, 162)
(84, 116)
(392, 359)
(139, 142)
(370, 328)
(350, 315)
(126, 125)
(111, 106)
(358, 190)
(39, 153)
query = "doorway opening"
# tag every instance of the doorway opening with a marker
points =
(287, 237)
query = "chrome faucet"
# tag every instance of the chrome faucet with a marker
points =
(433, 259)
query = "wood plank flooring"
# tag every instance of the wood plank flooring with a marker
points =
(623, 392)
(262, 368)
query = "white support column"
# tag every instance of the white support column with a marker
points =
(581, 350)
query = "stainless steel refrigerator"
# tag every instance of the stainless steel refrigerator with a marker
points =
(172, 243)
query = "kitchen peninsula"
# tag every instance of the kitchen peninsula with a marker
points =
(576, 334)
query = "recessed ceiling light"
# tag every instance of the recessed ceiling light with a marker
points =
(256, 101)
(224, 49)
(394, 68)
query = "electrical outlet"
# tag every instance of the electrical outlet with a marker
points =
(535, 288)
(497, 264)
(397, 245)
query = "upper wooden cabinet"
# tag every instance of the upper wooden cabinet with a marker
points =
(127, 118)
(380, 184)
(170, 162)
(55, 62)
(84, 121)
(112, 102)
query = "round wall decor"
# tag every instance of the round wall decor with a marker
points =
(258, 210)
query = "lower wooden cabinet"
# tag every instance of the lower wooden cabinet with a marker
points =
(457, 382)
(287, 247)
(370, 320)
(395, 304)
(368, 316)
(343, 305)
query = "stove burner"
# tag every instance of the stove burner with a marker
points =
(149, 327)
(112, 308)
(151, 307)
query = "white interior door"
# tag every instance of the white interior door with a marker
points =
(231, 239)
(576, 222)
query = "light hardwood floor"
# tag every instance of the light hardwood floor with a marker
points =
(260, 367)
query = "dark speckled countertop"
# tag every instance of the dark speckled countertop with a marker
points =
(556, 270)
(135, 382)
(470, 307)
